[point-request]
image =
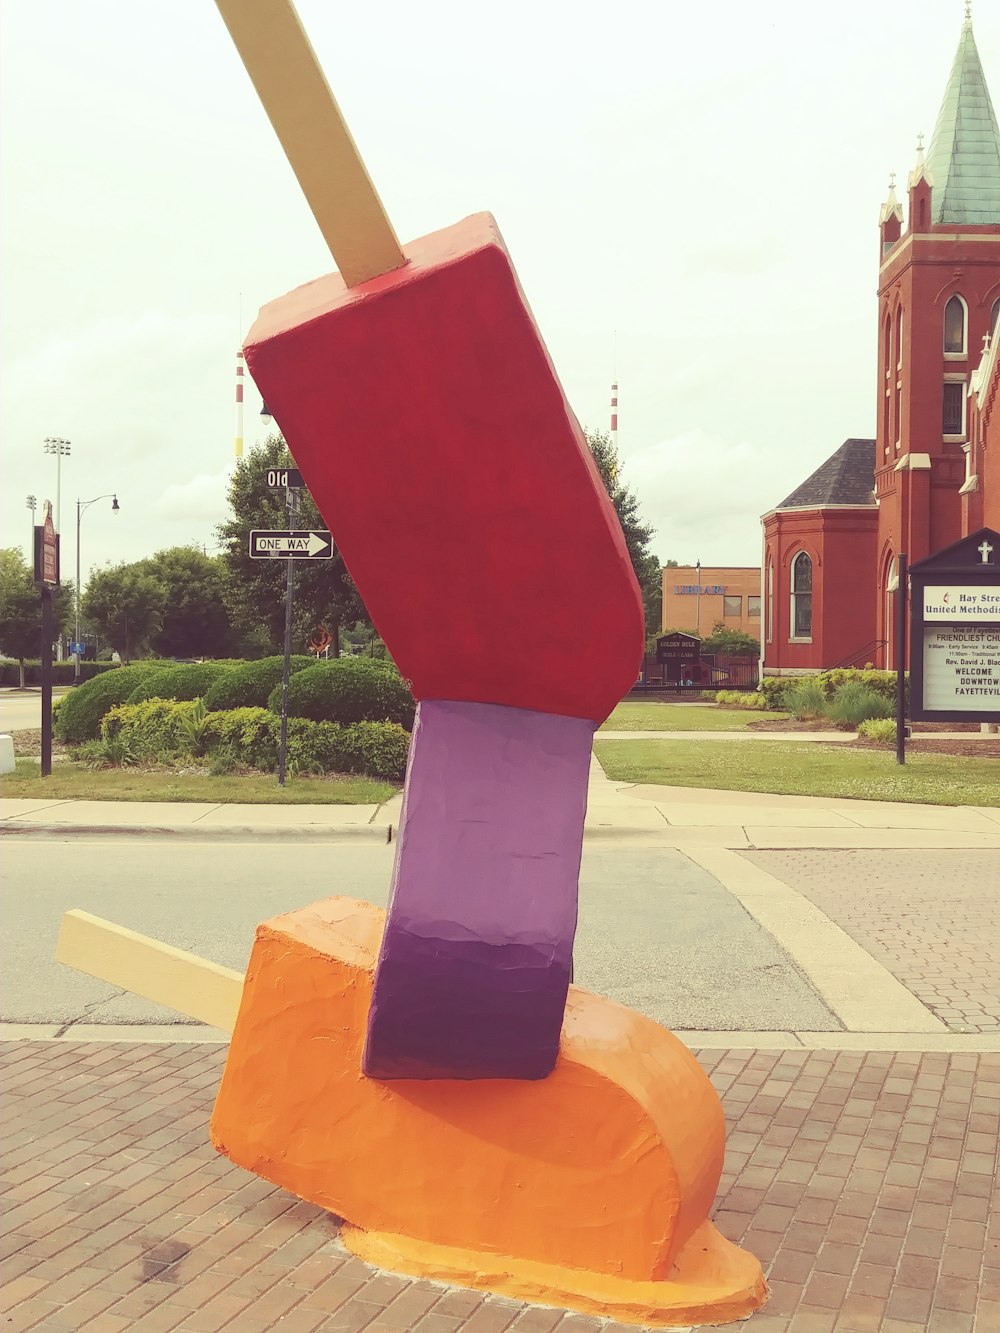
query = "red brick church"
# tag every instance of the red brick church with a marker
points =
(932, 473)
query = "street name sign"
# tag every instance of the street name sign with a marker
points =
(285, 478)
(301, 544)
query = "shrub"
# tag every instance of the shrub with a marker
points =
(880, 682)
(80, 713)
(740, 699)
(806, 701)
(709, 695)
(249, 733)
(378, 749)
(776, 689)
(353, 689)
(855, 703)
(249, 684)
(153, 729)
(183, 680)
(881, 729)
(252, 736)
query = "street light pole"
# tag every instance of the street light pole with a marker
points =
(54, 445)
(31, 502)
(697, 607)
(81, 508)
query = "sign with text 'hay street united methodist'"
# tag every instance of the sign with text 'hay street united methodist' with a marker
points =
(955, 617)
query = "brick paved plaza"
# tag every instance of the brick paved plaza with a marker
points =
(863, 1181)
(931, 918)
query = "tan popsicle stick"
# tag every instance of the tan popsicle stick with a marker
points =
(296, 96)
(146, 967)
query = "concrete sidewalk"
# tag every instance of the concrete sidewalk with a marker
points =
(671, 816)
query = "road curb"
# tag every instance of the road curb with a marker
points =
(199, 1034)
(241, 832)
(348, 832)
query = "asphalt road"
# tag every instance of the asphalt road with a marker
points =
(19, 711)
(656, 931)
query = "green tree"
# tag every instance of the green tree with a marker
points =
(638, 535)
(255, 589)
(724, 640)
(21, 609)
(125, 604)
(195, 620)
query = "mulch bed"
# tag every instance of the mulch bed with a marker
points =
(28, 743)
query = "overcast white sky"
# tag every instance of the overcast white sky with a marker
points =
(704, 179)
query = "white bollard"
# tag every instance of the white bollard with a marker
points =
(6, 754)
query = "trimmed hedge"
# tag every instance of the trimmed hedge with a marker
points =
(182, 681)
(62, 672)
(80, 713)
(378, 749)
(252, 736)
(152, 729)
(249, 685)
(351, 689)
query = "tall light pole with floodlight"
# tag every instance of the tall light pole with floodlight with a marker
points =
(53, 445)
(81, 508)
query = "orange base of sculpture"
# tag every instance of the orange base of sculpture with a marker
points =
(589, 1189)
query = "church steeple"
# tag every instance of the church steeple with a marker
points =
(890, 218)
(963, 161)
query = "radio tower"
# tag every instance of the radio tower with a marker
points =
(614, 418)
(238, 447)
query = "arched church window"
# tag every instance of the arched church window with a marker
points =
(898, 395)
(802, 586)
(954, 326)
(993, 316)
(770, 602)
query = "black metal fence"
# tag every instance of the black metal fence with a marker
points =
(713, 671)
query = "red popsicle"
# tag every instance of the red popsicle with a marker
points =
(419, 401)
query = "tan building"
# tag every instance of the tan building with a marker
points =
(696, 599)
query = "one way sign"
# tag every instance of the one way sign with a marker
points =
(267, 544)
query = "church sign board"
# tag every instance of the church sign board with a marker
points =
(955, 620)
(680, 655)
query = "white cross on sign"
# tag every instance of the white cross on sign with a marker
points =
(985, 550)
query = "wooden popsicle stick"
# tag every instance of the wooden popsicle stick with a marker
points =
(146, 967)
(296, 96)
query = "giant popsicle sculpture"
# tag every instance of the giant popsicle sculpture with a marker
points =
(421, 1072)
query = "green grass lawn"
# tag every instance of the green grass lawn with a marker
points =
(682, 717)
(805, 770)
(77, 782)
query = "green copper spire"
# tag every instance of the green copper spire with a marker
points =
(963, 162)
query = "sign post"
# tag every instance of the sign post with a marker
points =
(955, 619)
(901, 663)
(293, 509)
(46, 578)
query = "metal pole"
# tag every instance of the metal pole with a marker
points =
(286, 668)
(76, 633)
(46, 660)
(697, 626)
(901, 663)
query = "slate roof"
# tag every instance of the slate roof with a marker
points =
(846, 478)
(963, 160)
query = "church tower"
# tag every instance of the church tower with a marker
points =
(938, 300)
